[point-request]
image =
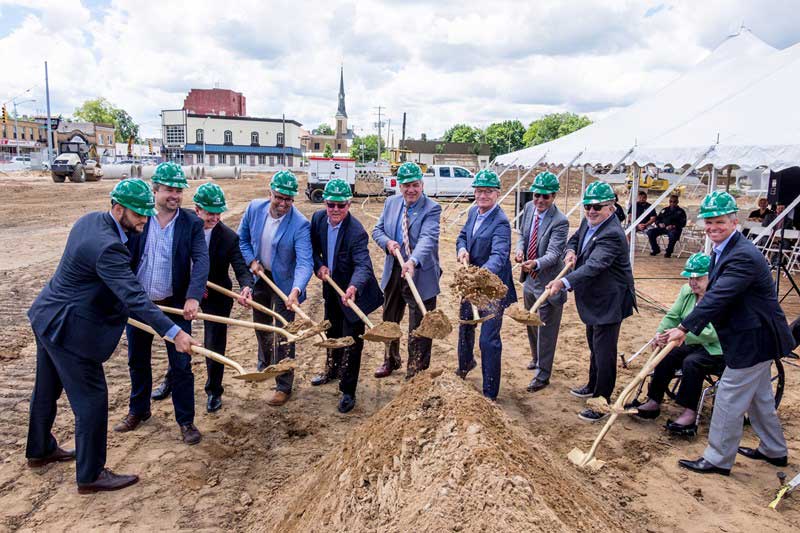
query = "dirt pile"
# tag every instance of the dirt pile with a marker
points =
(478, 285)
(439, 457)
(384, 332)
(434, 325)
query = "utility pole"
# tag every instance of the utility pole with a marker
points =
(49, 132)
(403, 139)
(283, 147)
(388, 131)
(378, 125)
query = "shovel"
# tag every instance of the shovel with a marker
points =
(532, 318)
(385, 332)
(476, 318)
(255, 305)
(587, 460)
(234, 322)
(434, 324)
(269, 372)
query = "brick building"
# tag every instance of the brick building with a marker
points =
(222, 102)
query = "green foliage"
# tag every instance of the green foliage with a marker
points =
(504, 137)
(328, 151)
(101, 110)
(370, 150)
(553, 126)
(463, 133)
(324, 129)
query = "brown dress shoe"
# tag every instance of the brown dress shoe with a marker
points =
(385, 370)
(108, 480)
(190, 434)
(278, 398)
(130, 422)
(55, 456)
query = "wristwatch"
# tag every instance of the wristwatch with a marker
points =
(682, 328)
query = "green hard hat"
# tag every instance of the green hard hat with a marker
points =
(136, 195)
(696, 266)
(486, 178)
(545, 183)
(337, 190)
(170, 174)
(409, 172)
(284, 182)
(209, 196)
(597, 193)
(716, 204)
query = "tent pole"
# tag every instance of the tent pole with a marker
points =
(473, 201)
(768, 230)
(583, 185)
(583, 188)
(632, 203)
(712, 186)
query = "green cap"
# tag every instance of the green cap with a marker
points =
(337, 190)
(409, 172)
(597, 193)
(545, 183)
(209, 196)
(696, 266)
(170, 174)
(284, 182)
(716, 204)
(486, 178)
(136, 195)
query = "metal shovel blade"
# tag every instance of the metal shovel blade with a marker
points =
(523, 316)
(286, 365)
(578, 458)
(477, 320)
(254, 376)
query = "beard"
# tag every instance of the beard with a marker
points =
(129, 223)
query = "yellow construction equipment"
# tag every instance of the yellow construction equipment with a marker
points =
(651, 183)
(398, 156)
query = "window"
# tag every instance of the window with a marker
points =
(444, 172)
(280, 139)
(262, 159)
(175, 135)
(242, 159)
(228, 137)
(198, 135)
(254, 138)
(221, 158)
(461, 172)
(316, 146)
(22, 133)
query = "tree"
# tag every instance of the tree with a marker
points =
(370, 150)
(504, 137)
(324, 129)
(553, 126)
(463, 133)
(125, 127)
(328, 153)
(101, 110)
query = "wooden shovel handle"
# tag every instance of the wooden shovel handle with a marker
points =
(232, 322)
(195, 349)
(350, 303)
(255, 305)
(475, 314)
(410, 281)
(282, 295)
(540, 300)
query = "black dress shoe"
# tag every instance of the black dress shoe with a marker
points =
(161, 392)
(681, 430)
(463, 373)
(190, 434)
(655, 253)
(582, 392)
(645, 414)
(214, 403)
(703, 467)
(590, 415)
(537, 384)
(753, 453)
(56, 456)
(532, 365)
(347, 403)
(321, 379)
(107, 480)
(667, 255)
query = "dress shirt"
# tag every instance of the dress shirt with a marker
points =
(207, 235)
(270, 228)
(590, 231)
(333, 233)
(398, 233)
(155, 268)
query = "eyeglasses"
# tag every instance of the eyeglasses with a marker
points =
(332, 205)
(542, 196)
(284, 199)
(594, 207)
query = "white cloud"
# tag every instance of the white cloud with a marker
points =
(441, 62)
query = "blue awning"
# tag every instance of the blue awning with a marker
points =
(240, 149)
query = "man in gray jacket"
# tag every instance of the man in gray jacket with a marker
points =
(540, 250)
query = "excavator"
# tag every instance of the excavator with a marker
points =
(399, 156)
(650, 183)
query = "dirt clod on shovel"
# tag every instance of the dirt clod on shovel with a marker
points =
(384, 332)
(335, 344)
(478, 285)
(310, 329)
(296, 325)
(434, 325)
(524, 316)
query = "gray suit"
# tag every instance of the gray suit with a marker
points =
(550, 247)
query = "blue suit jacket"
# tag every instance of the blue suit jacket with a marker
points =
(740, 301)
(490, 247)
(190, 262)
(291, 247)
(85, 305)
(423, 236)
(352, 265)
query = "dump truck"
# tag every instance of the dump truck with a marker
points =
(73, 163)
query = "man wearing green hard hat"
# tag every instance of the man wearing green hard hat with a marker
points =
(170, 258)
(540, 249)
(409, 224)
(741, 304)
(602, 281)
(275, 240)
(77, 320)
(340, 252)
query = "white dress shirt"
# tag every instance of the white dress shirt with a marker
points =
(270, 228)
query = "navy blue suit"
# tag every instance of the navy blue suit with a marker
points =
(78, 319)
(351, 266)
(490, 248)
(190, 266)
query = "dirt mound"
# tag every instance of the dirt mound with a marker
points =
(478, 285)
(439, 457)
(434, 325)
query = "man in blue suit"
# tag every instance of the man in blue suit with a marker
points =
(485, 241)
(170, 259)
(275, 238)
(339, 244)
(409, 223)
(78, 320)
(741, 304)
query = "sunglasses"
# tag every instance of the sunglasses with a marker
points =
(332, 205)
(594, 207)
(539, 195)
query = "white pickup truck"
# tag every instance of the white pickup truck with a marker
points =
(447, 180)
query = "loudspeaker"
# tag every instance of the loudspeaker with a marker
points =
(523, 197)
(784, 187)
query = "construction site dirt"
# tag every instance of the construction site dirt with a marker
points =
(427, 454)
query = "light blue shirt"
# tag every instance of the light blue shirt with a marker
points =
(480, 218)
(155, 268)
(719, 248)
(333, 233)
(398, 234)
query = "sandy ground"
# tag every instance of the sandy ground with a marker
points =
(294, 468)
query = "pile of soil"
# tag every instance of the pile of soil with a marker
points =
(384, 332)
(439, 457)
(434, 325)
(478, 285)
(335, 344)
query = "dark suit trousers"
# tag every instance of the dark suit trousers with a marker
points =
(603, 362)
(270, 347)
(344, 362)
(490, 344)
(85, 383)
(673, 236)
(215, 338)
(395, 299)
(695, 363)
(180, 375)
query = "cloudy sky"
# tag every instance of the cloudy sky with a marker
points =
(441, 61)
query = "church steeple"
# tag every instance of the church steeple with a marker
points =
(341, 112)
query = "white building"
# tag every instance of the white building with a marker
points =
(220, 140)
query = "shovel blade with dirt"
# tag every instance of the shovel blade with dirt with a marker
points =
(465, 275)
(531, 317)
(385, 332)
(434, 324)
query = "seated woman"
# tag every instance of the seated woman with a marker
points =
(698, 356)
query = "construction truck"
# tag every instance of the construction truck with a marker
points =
(656, 184)
(73, 162)
(398, 156)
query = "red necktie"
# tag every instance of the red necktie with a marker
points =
(532, 250)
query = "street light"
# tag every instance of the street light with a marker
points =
(16, 120)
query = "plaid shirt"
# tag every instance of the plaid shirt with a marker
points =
(155, 268)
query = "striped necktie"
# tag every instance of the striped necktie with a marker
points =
(532, 248)
(406, 242)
